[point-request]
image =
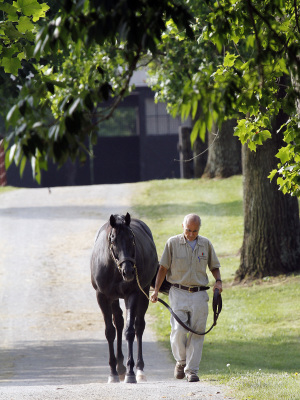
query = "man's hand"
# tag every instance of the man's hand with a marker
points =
(154, 296)
(162, 272)
(218, 285)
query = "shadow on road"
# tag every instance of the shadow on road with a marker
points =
(65, 362)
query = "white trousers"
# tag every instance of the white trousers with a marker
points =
(192, 309)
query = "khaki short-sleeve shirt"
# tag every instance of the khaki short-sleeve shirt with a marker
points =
(185, 266)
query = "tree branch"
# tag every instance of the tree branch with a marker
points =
(250, 8)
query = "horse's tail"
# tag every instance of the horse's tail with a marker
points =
(165, 287)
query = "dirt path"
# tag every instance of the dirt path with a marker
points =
(52, 343)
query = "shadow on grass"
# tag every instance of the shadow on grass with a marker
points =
(234, 208)
(271, 355)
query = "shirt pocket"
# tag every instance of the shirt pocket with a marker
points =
(180, 262)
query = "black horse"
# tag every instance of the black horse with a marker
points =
(124, 261)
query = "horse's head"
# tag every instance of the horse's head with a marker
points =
(122, 245)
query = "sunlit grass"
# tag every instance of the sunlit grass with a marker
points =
(4, 189)
(264, 386)
(163, 204)
(254, 348)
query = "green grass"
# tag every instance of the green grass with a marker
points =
(4, 189)
(254, 349)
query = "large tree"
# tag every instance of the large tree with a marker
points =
(271, 243)
(258, 78)
(256, 42)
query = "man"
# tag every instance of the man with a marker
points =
(184, 263)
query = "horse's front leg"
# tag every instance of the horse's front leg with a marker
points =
(110, 334)
(119, 324)
(131, 307)
(140, 324)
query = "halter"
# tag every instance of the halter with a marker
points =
(116, 260)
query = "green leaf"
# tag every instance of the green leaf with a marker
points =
(12, 32)
(12, 153)
(265, 134)
(7, 162)
(11, 65)
(229, 60)
(13, 115)
(283, 154)
(195, 131)
(272, 174)
(202, 131)
(22, 166)
(252, 146)
(29, 8)
(25, 24)
(194, 107)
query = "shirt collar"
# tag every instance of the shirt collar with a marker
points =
(183, 240)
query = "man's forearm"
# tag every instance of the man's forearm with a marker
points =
(162, 272)
(217, 275)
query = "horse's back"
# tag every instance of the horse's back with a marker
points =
(146, 254)
(141, 227)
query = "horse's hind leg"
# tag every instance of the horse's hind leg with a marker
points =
(110, 333)
(119, 324)
(139, 329)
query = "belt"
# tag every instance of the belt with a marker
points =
(191, 289)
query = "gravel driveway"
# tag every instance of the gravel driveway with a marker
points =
(52, 343)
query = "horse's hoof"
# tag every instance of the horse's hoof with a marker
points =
(140, 376)
(113, 379)
(130, 378)
(121, 377)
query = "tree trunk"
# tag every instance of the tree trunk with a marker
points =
(224, 154)
(200, 156)
(271, 244)
(185, 152)
(200, 149)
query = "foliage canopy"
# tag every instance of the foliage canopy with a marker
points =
(232, 58)
(83, 56)
(243, 63)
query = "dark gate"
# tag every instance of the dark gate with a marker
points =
(148, 150)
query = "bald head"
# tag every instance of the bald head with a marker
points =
(191, 218)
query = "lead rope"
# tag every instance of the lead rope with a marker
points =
(138, 282)
(217, 307)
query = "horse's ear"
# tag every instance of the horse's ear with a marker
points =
(112, 221)
(127, 219)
